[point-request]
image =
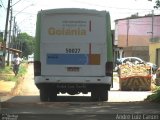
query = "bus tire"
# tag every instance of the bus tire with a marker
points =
(94, 95)
(52, 94)
(104, 95)
(43, 94)
(100, 93)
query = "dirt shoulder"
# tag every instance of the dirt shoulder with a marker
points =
(26, 85)
(7, 87)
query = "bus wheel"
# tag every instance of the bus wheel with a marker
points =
(104, 95)
(100, 93)
(52, 94)
(44, 94)
(94, 95)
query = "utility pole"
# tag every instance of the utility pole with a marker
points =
(5, 35)
(152, 22)
(9, 42)
(13, 34)
(127, 41)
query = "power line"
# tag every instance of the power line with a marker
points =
(92, 4)
(3, 5)
(16, 3)
(25, 12)
(23, 9)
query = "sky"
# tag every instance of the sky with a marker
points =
(25, 11)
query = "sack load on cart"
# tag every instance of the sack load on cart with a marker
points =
(135, 77)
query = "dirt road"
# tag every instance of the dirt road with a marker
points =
(25, 105)
(26, 87)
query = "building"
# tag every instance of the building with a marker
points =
(139, 37)
(154, 51)
(11, 52)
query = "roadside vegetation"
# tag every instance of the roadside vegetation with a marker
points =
(155, 97)
(7, 74)
(27, 44)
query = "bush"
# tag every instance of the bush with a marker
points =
(155, 97)
(7, 73)
(6, 70)
(22, 70)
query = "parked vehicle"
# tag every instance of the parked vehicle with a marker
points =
(73, 53)
(135, 60)
(31, 58)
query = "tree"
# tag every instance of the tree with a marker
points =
(1, 39)
(1, 36)
(25, 43)
(157, 4)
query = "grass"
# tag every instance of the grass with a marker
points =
(22, 70)
(7, 73)
(6, 70)
(155, 97)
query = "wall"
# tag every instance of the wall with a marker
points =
(133, 41)
(137, 31)
(139, 51)
(152, 51)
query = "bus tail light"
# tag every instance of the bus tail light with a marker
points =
(109, 69)
(37, 68)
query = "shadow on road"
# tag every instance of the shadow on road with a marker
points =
(74, 108)
(80, 101)
(34, 99)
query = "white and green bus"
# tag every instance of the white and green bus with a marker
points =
(73, 53)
